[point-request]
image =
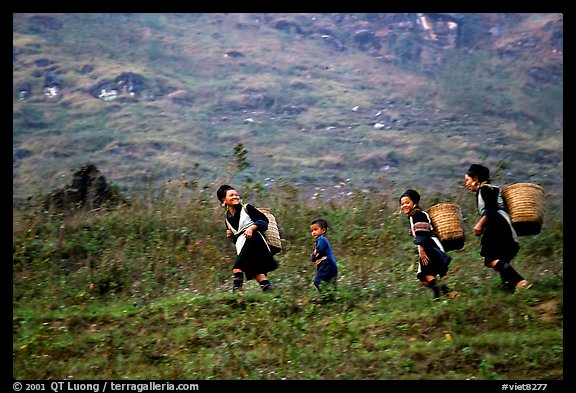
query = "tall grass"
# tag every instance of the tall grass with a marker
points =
(142, 291)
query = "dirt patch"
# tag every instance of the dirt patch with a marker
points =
(547, 309)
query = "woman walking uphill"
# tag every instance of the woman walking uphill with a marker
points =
(433, 260)
(499, 241)
(245, 225)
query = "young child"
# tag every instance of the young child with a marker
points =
(322, 256)
(433, 260)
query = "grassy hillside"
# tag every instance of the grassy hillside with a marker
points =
(143, 292)
(330, 115)
(300, 91)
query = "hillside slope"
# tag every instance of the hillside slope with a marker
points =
(320, 100)
(144, 292)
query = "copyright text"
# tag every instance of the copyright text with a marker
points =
(101, 387)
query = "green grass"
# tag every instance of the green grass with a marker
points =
(143, 292)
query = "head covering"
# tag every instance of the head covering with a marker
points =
(222, 190)
(413, 195)
(481, 171)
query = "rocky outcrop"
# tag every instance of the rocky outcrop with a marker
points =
(89, 190)
(125, 85)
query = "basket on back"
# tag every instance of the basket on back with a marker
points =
(272, 234)
(525, 204)
(448, 224)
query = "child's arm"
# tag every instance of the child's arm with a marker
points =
(316, 258)
(321, 245)
(315, 253)
(319, 253)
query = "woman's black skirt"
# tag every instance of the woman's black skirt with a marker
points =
(255, 257)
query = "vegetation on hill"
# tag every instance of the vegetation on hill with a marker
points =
(310, 115)
(143, 291)
(317, 98)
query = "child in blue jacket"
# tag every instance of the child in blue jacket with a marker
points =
(322, 256)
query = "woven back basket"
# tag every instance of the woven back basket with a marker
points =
(448, 224)
(525, 204)
(272, 234)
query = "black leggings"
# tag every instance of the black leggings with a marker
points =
(509, 275)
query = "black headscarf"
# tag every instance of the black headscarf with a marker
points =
(412, 194)
(481, 171)
(222, 190)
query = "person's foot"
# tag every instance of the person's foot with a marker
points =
(508, 287)
(237, 282)
(450, 295)
(265, 285)
(437, 293)
(523, 285)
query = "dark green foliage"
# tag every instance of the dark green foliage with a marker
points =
(240, 154)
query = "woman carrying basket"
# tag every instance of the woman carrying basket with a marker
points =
(245, 225)
(433, 260)
(499, 241)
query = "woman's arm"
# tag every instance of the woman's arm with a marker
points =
(250, 231)
(259, 218)
(489, 196)
(422, 229)
(479, 227)
(260, 221)
(229, 233)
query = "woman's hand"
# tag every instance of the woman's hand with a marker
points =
(479, 227)
(423, 257)
(228, 233)
(477, 230)
(250, 231)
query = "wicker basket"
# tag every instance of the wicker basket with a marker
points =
(272, 234)
(448, 224)
(525, 204)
